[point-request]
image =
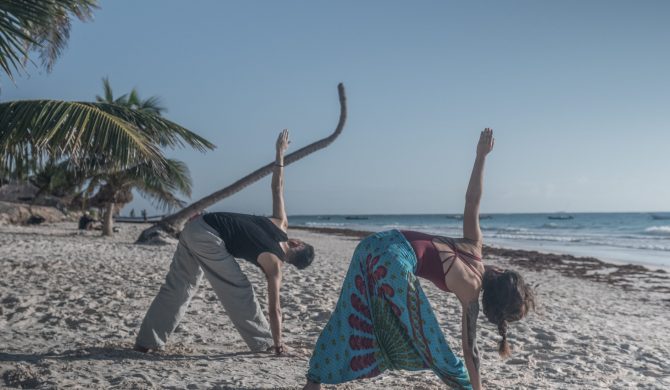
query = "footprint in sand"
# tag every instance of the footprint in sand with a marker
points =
(541, 334)
(10, 301)
(517, 361)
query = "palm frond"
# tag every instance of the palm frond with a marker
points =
(133, 98)
(42, 25)
(151, 105)
(160, 130)
(163, 187)
(52, 38)
(75, 129)
(15, 39)
(58, 178)
(108, 93)
(121, 100)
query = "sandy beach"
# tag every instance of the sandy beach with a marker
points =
(71, 304)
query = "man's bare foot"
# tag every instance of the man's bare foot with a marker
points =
(142, 349)
(312, 386)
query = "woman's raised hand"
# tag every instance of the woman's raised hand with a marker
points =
(486, 142)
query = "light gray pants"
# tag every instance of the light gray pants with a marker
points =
(201, 250)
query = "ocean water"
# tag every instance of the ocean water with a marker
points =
(640, 238)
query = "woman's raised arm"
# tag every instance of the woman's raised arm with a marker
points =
(471, 229)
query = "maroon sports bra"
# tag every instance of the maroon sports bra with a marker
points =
(430, 264)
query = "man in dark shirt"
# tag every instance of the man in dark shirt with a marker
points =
(209, 245)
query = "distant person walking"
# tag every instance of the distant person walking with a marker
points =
(383, 320)
(209, 245)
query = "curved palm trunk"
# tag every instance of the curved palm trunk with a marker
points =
(172, 224)
(108, 220)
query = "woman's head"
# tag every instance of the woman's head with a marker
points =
(299, 253)
(507, 298)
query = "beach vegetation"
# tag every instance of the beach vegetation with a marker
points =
(110, 146)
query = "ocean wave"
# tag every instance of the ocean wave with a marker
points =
(588, 241)
(399, 226)
(550, 225)
(535, 237)
(641, 236)
(509, 229)
(662, 248)
(558, 225)
(633, 244)
(658, 230)
(326, 224)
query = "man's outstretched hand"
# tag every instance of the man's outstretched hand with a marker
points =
(282, 142)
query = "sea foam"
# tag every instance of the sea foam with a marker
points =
(658, 230)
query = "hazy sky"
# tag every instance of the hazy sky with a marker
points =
(578, 94)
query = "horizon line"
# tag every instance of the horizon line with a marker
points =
(494, 213)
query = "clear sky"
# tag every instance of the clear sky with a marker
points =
(578, 94)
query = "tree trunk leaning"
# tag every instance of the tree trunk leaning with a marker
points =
(108, 220)
(172, 224)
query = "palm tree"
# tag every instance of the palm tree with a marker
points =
(172, 224)
(116, 188)
(132, 100)
(109, 138)
(72, 185)
(37, 25)
(116, 185)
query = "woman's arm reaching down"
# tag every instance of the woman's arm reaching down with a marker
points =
(469, 341)
(471, 229)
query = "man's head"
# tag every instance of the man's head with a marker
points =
(299, 253)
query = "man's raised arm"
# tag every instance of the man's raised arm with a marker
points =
(278, 211)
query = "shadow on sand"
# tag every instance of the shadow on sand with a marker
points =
(119, 353)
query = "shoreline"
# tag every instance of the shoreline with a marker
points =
(630, 277)
(618, 238)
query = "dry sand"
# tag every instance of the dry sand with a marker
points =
(71, 304)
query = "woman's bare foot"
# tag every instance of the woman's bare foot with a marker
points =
(312, 386)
